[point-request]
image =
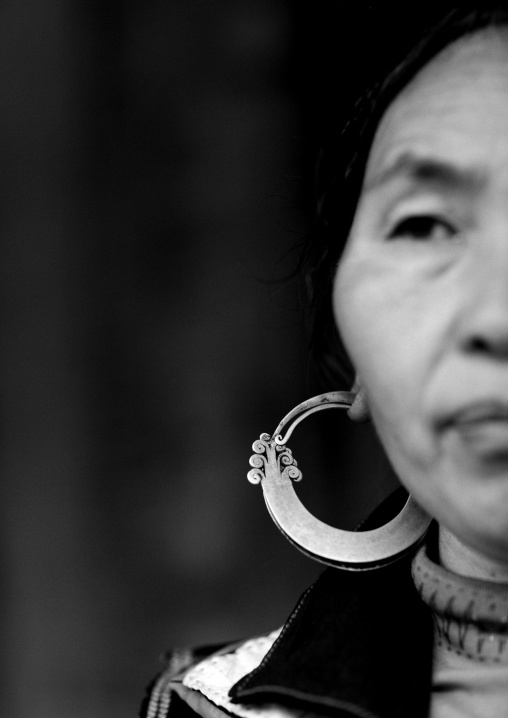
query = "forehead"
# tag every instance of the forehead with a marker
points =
(454, 110)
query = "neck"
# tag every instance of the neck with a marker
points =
(465, 561)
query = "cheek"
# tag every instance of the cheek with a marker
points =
(381, 321)
(377, 325)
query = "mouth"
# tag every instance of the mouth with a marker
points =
(482, 427)
(480, 413)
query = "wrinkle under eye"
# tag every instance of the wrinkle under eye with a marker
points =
(422, 228)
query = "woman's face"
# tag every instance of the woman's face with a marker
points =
(421, 293)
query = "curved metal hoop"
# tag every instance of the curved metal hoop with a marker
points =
(275, 469)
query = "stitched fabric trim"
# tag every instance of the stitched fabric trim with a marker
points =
(214, 676)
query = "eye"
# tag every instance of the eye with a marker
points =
(423, 228)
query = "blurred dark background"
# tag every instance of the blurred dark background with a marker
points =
(156, 172)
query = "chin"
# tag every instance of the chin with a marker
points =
(468, 499)
(491, 541)
(479, 518)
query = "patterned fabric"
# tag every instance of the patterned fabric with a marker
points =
(160, 693)
(470, 666)
(471, 615)
(215, 676)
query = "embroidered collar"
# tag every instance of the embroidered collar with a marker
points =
(471, 615)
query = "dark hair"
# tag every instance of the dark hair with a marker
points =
(384, 62)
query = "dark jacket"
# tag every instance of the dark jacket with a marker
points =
(357, 644)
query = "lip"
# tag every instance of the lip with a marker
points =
(478, 413)
(482, 427)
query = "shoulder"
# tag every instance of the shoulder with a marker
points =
(338, 651)
(198, 682)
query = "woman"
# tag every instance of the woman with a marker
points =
(419, 295)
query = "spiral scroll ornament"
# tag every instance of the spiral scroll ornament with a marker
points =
(274, 460)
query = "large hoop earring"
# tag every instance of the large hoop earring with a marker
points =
(275, 469)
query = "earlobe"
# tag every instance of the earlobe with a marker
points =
(359, 411)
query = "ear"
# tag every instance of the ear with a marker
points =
(359, 410)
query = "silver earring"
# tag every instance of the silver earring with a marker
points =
(275, 469)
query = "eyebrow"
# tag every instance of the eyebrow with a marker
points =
(426, 170)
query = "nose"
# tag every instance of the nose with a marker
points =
(484, 326)
(491, 339)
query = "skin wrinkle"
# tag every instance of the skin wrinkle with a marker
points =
(423, 307)
(410, 166)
